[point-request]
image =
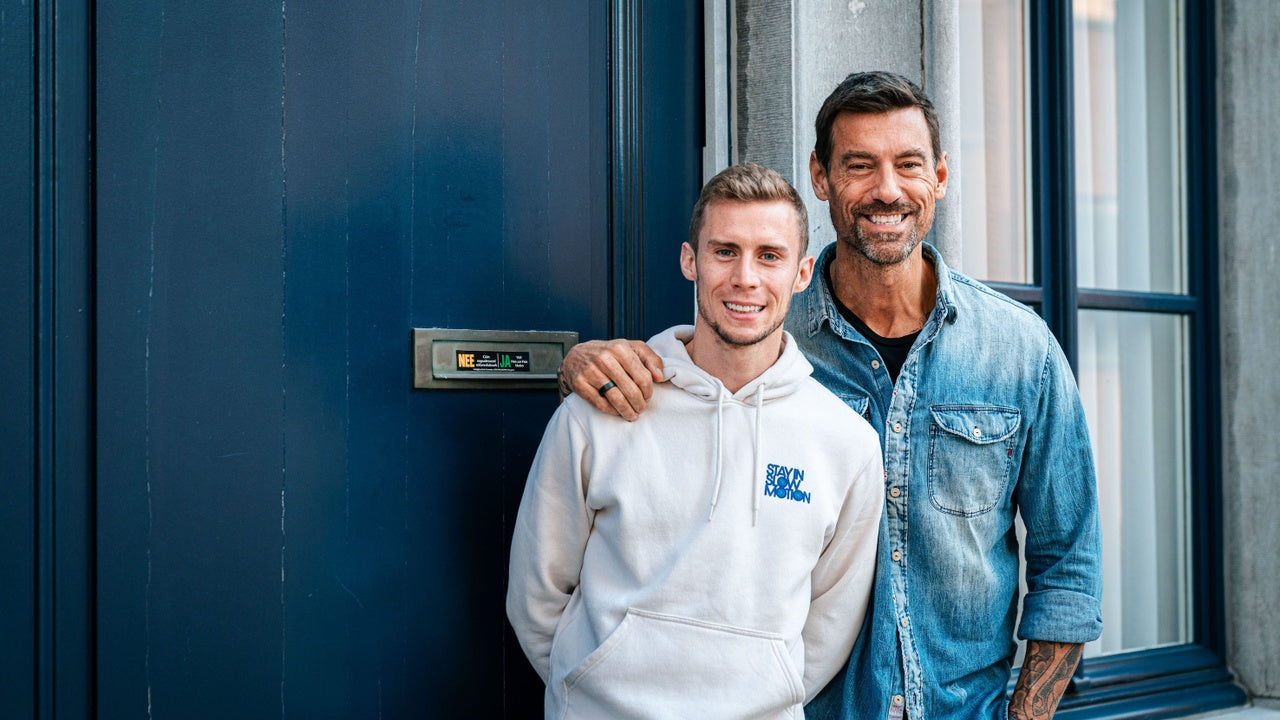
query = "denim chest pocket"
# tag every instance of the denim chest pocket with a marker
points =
(970, 456)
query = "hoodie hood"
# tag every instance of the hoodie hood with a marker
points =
(783, 378)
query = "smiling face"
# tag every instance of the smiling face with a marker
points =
(747, 265)
(882, 183)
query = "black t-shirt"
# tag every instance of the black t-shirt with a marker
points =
(893, 351)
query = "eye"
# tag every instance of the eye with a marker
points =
(722, 252)
(770, 257)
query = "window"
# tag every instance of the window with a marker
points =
(1081, 198)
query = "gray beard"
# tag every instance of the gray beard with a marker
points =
(881, 253)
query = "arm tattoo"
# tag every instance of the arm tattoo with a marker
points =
(1046, 673)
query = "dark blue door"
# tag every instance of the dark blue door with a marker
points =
(276, 524)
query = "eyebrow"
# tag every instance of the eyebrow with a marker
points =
(779, 249)
(916, 152)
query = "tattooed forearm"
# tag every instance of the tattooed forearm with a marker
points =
(1046, 672)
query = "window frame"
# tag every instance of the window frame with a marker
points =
(1179, 680)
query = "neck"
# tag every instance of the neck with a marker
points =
(893, 300)
(732, 365)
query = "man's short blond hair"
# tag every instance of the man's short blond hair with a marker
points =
(749, 182)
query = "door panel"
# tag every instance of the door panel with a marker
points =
(192, 390)
(285, 528)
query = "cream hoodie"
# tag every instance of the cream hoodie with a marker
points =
(713, 559)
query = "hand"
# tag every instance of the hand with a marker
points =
(630, 364)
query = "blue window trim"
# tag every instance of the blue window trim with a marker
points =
(1053, 171)
(1090, 299)
(1185, 679)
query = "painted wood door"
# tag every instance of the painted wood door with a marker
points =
(271, 521)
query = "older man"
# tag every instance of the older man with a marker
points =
(979, 417)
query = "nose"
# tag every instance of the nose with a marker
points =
(745, 273)
(886, 189)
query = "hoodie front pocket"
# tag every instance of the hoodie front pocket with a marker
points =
(655, 665)
(970, 453)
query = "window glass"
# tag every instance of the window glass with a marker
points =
(1127, 137)
(991, 166)
(1134, 386)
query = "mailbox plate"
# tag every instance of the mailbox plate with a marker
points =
(448, 359)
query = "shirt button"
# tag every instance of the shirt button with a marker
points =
(897, 556)
(903, 621)
(897, 427)
(895, 492)
(897, 700)
(875, 364)
(977, 432)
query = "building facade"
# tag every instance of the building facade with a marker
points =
(225, 496)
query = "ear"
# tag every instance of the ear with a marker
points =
(817, 176)
(941, 172)
(805, 274)
(688, 262)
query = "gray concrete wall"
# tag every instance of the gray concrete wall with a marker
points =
(1249, 188)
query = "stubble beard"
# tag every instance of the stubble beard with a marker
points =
(882, 249)
(733, 341)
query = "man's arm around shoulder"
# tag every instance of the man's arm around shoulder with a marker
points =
(625, 370)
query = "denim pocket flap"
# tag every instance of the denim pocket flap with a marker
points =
(979, 424)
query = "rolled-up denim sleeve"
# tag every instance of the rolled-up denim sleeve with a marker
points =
(1057, 495)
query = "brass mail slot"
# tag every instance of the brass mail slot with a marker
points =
(449, 359)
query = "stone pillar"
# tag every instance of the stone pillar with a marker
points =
(1249, 182)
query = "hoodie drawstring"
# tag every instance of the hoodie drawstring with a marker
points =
(715, 492)
(757, 490)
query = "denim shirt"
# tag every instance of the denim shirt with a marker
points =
(984, 422)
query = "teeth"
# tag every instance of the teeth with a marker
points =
(886, 219)
(743, 308)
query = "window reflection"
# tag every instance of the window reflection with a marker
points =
(1127, 138)
(991, 166)
(1133, 383)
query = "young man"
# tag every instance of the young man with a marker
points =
(713, 559)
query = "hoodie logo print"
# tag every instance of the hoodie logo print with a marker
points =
(783, 482)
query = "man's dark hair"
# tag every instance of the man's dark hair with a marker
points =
(749, 182)
(872, 92)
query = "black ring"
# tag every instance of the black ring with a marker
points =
(607, 387)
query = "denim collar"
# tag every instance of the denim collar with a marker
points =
(819, 305)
